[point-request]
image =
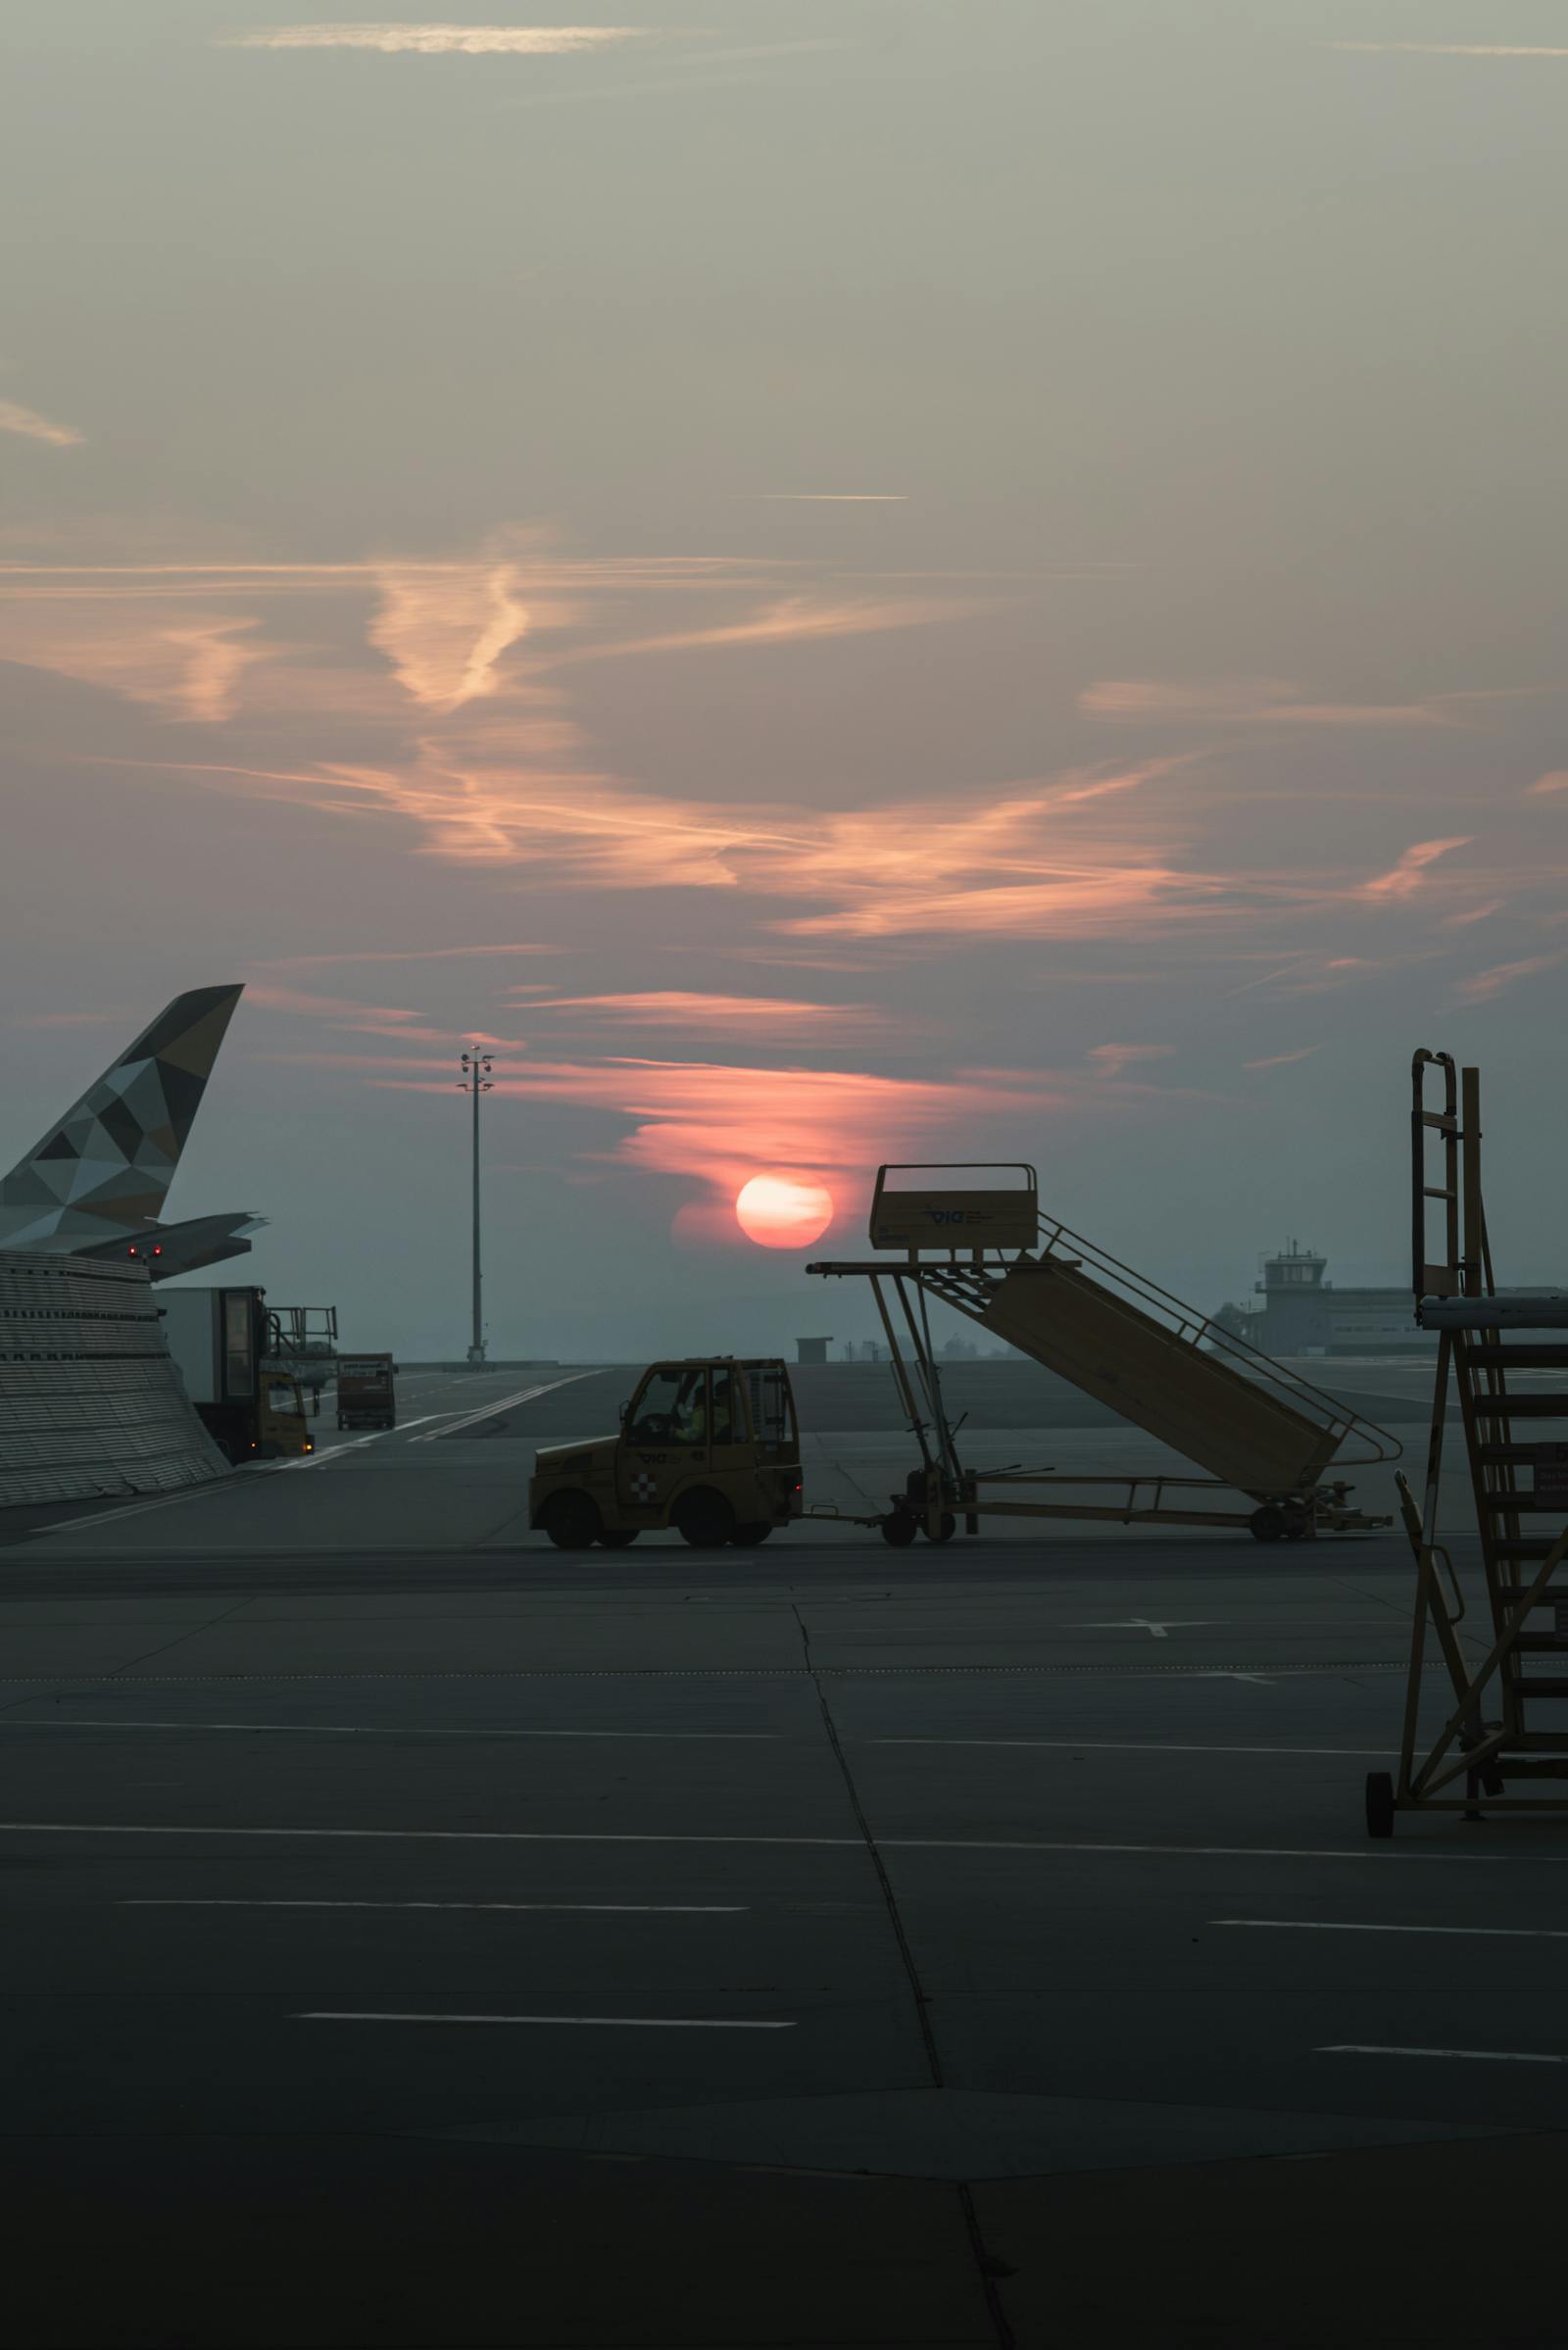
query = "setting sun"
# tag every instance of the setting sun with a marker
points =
(781, 1213)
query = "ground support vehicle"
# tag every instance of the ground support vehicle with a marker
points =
(1263, 1435)
(1504, 1730)
(709, 1445)
(366, 1396)
(251, 1406)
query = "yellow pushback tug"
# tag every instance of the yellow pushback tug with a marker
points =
(707, 1445)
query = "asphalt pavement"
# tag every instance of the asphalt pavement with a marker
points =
(417, 1936)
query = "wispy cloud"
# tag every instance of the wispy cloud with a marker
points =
(1244, 702)
(1481, 985)
(1280, 1060)
(445, 632)
(696, 1013)
(1402, 879)
(829, 497)
(1438, 49)
(1545, 786)
(1111, 1059)
(442, 40)
(187, 664)
(14, 417)
(394, 954)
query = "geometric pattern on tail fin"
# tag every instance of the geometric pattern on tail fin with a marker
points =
(107, 1165)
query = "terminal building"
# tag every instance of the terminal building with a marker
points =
(1297, 1311)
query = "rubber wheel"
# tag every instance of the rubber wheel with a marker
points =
(1267, 1523)
(947, 1528)
(571, 1521)
(619, 1538)
(748, 1536)
(1298, 1527)
(1379, 1803)
(900, 1529)
(705, 1519)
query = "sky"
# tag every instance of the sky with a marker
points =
(835, 580)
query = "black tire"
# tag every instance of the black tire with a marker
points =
(900, 1528)
(947, 1526)
(619, 1538)
(1267, 1523)
(705, 1519)
(1379, 1803)
(1297, 1525)
(571, 1521)
(748, 1534)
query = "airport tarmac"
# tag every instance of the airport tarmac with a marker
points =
(420, 1936)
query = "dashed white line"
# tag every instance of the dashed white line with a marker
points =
(357, 2015)
(848, 1843)
(1138, 1746)
(1536, 1934)
(1479, 2056)
(616, 1909)
(488, 1411)
(355, 1730)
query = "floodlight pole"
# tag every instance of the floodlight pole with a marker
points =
(475, 1080)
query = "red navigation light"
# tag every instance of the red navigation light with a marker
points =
(158, 1248)
(131, 1250)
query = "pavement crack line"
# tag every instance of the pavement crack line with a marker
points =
(988, 2269)
(186, 1632)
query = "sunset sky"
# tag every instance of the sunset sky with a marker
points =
(837, 579)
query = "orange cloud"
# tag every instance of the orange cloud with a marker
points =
(1404, 878)
(1482, 985)
(1111, 1059)
(443, 40)
(1245, 701)
(1280, 1060)
(444, 632)
(696, 1013)
(1545, 785)
(189, 666)
(14, 417)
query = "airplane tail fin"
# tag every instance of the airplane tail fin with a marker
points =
(107, 1165)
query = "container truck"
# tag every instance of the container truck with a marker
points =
(251, 1406)
(366, 1396)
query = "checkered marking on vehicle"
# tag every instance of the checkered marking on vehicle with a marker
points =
(643, 1485)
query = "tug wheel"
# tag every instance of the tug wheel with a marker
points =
(619, 1538)
(947, 1528)
(571, 1521)
(705, 1519)
(900, 1528)
(748, 1536)
(1379, 1803)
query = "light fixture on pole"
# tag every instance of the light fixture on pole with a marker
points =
(475, 1080)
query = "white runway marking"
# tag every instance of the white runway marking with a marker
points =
(357, 1444)
(1138, 1746)
(140, 1509)
(488, 1411)
(846, 1843)
(1538, 1934)
(349, 2015)
(1156, 1627)
(617, 1909)
(355, 1730)
(1480, 2056)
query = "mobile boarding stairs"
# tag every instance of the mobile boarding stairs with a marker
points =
(1502, 1371)
(1263, 1437)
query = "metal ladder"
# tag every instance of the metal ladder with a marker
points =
(1519, 1491)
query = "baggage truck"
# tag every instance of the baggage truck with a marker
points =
(365, 1397)
(251, 1407)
